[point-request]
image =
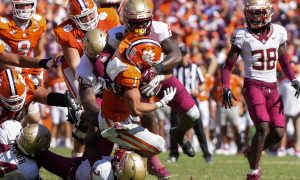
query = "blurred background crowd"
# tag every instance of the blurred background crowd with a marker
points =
(205, 28)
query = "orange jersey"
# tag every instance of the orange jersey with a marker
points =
(2, 46)
(6, 114)
(206, 88)
(67, 34)
(235, 84)
(108, 18)
(21, 41)
(127, 76)
(57, 85)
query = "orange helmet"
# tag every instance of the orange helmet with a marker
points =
(12, 89)
(144, 52)
(83, 13)
(24, 13)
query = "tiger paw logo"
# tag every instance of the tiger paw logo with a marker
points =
(103, 15)
(148, 56)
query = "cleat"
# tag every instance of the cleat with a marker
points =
(156, 168)
(254, 176)
(188, 149)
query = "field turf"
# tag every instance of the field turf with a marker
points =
(223, 168)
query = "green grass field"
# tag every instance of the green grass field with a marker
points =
(224, 167)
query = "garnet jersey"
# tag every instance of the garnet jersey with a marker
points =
(6, 114)
(260, 56)
(108, 18)
(21, 41)
(159, 32)
(14, 165)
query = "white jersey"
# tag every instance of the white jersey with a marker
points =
(260, 56)
(85, 75)
(159, 32)
(14, 165)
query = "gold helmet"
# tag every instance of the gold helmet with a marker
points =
(258, 13)
(137, 17)
(33, 139)
(108, 3)
(94, 42)
(129, 166)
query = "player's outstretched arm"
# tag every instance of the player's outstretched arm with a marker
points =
(225, 76)
(44, 96)
(10, 59)
(137, 108)
(287, 69)
(284, 62)
(173, 57)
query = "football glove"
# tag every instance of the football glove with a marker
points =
(169, 94)
(51, 62)
(227, 98)
(296, 85)
(148, 89)
(74, 110)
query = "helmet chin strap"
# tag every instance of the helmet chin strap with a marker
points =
(21, 23)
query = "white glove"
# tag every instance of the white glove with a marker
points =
(148, 89)
(169, 94)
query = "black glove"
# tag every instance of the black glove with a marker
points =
(51, 62)
(74, 110)
(296, 85)
(227, 98)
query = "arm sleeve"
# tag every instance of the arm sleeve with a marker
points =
(286, 67)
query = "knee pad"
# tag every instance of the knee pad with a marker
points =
(161, 144)
(193, 113)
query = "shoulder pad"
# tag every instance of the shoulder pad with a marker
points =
(114, 67)
(160, 31)
(63, 34)
(4, 22)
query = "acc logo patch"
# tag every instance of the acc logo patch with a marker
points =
(68, 28)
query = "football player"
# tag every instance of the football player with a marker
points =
(260, 45)
(18, 92)
(22, 31)
(83, 16)
(8, 59)
(25, 151)
(92, 65)
(137, 19)
(113, 118)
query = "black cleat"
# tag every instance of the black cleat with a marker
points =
(188, 149)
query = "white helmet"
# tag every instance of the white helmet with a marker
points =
(78, 10)
(24, 14)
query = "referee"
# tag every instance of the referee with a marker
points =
(190, 76)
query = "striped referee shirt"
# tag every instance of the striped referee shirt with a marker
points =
(190, 76)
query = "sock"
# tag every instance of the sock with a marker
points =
(253, 171)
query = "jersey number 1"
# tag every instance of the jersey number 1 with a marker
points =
(266, 63)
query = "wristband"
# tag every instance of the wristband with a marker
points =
(159, 104)
(43, 63)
